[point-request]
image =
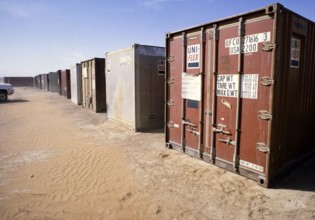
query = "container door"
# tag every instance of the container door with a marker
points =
(243, 95)
(184, 104)
(85, 86)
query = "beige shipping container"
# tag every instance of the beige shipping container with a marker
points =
(135, 87)
(93, 84)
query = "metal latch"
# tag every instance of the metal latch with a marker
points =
(227, 141)
(171, 81)
(265, 115)
(268, 46)
(187, 122)
(170, 58)
(263, 148)
(194, 132)
(170, 103)
(171, 124)
(221, 130)
(266, 81)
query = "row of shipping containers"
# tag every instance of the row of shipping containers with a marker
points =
(237, 92)
(129, 88)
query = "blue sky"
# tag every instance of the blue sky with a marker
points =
(40, 36)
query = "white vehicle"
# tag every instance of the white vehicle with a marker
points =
(5, 90)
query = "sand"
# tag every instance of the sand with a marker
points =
(59, 161)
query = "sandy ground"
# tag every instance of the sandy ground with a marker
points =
(59, 161)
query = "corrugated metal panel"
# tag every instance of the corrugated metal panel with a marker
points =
(44, 82)
(135, 86)
(54, 80)
(38, 81)
(93, 84)
(76, 84)
(240, 91)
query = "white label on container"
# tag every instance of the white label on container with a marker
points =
(125, 60)
(295, 52)
(84, 72)
(161, 67)
(249, 43)
(227, 86)
(193, 56)
(249, 86)
(252, 166)
(191, 86)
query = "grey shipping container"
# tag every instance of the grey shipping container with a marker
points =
(135, 86)
(54, 82)
(44, 82)
(93, 84)
(38, 81)
(76, 84)
(241, 92)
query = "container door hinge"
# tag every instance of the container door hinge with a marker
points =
(170, 103)
(170, 59)
(171, 81)
(266, 81)
(227, 141)
(265, 115)
(268, 46)
(263, 148)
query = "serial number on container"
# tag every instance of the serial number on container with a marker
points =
(249, 43)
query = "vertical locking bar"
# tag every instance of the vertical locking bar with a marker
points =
(214, 92)
(183, 110)
(236, 157)
(208, 94)
(202, 75)
(167, 90)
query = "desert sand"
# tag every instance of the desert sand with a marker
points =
(59, 161)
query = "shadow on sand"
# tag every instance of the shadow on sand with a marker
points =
(9, 101)
(302, 177)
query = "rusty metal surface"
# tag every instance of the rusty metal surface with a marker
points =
(250, 111)
(93, 84)
(135, 87)
(65, 86)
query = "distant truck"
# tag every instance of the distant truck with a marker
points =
(5, 90)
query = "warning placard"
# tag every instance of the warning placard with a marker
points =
(191, 87)
(193, 56)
